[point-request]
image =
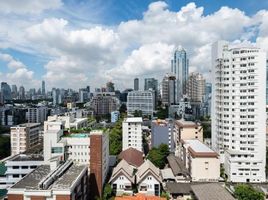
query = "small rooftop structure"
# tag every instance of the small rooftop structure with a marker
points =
(178, 188)
(186, 124)
(211, 191)
(132, 156)
(177, 166)
(27, 125)
(133, 120)
(167, 175)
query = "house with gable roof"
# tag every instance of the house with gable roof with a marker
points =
(148, 179)
(122, 179)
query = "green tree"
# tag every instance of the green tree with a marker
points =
(247, 192)
(107, 192)
(4, 147)
(123, 108)
(137, 113)
(158, 155)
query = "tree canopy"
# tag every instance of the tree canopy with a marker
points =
(158, 156)
(247, 192)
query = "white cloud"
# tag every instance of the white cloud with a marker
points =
(18, 73)
(93, 55)
(28, 6)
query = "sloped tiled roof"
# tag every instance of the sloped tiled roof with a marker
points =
(139, 197)
(146, 168)
(132, 156)
(123, 168)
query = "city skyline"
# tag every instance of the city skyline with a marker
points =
(117, 41)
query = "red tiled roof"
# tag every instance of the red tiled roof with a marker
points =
(133, 156)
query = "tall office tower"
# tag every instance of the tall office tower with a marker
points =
(56, 95)
(43, 91)
(238, 111)
(136, 84)
(109, 86)
(21, 93)
(168, 89)
(180, 67)
(150, 83)
(195, 87)
(6, 91)
(88, 89)
(14, 91)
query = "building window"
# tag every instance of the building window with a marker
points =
(56, 150)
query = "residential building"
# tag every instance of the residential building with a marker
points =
(37, 114)
(182, 110)
(186, 130)
(54, 181)
(104, 103)
(70, 121)
(195, 87)
(122, 179)
(148, 179)
(99, 161)
(57, 96)
(136, 84)
(202, 162)
(180, 67)
(141, 101)
(162, 132)
(24, 137)
(140, 197)
(132, 156)
(179, 191)
(168, 89)
(132, 133)
(19, 166)
(115, 115)
(238, 110)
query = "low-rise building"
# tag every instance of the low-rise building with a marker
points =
(24, 137)
(132, 133)
(122, 179)
(18, 166)
(148, 179)
(179, 191)
(202, 162)
(162, 132)
(46, 182)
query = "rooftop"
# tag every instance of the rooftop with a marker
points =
(184, 123)
(198, 146)
(211, 191)
(28, 125)
(132, 156)
(133, 119)
(27, 157)
(63, 182)
(178, 188)
(176, 165)
(139, 197)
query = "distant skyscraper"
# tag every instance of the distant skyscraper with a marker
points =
(14, 91)
(136, 84)
(168, 89)
(110, 86)
(150, 83)
(180, 67)
(21, 93)
(195, 87)
(239, 111)
(43, 88)
(6, 91)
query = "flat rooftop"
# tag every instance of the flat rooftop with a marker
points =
(133, 119)
(26, 157)
(28, 125)
(64, 182)
(184, 123)
(198, 146)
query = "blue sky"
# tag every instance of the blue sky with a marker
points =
(91, 42)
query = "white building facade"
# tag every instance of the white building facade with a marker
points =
(24, 137)
(132, 133)
(141, 101)
(238, 111)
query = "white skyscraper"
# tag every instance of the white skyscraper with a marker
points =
(238, 111)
